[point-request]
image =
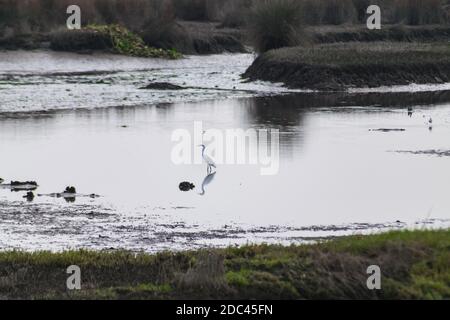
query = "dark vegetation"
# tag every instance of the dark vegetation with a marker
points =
(275, 24)
(45, 15)
(414, 265)
(204, 26)
(161, 24)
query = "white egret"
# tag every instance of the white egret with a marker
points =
(207, 159)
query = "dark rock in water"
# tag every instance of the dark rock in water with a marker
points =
(25, 183)
(29, 196)
(70, 190)
(186, 186)
(162, 86)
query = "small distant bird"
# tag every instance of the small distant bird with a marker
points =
(207, 159)
(410, 111)
(429, 122)
(428, 119)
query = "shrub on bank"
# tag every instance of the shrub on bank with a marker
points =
(419, 12)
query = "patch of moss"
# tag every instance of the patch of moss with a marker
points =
(128, 43)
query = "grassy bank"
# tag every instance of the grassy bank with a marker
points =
(338, 66)
(114, 38)
(413, 264)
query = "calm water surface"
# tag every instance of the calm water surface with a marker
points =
(62, 122)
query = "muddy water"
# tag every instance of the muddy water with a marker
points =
(83, 121)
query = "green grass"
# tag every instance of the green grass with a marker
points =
(128, 43)
(414, 265)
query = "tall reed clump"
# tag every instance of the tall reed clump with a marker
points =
(275, 24)
(30, 16)
(420, 12)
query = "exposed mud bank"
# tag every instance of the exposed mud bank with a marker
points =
(343, 100)
(339, 67)
(78, 41)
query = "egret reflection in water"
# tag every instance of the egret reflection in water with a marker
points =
(207, 180)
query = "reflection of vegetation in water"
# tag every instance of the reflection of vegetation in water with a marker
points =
(128, 43)
(414, 264)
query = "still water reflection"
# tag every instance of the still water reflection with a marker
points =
(335, 176)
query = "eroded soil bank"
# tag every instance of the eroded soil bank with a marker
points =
(337, 67)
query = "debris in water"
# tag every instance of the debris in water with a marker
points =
(388, 130)
(162, 86)
(29, 196)
(71, 190)
(20, 183)
(23, 186)
(186, 186)
(432, 152)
